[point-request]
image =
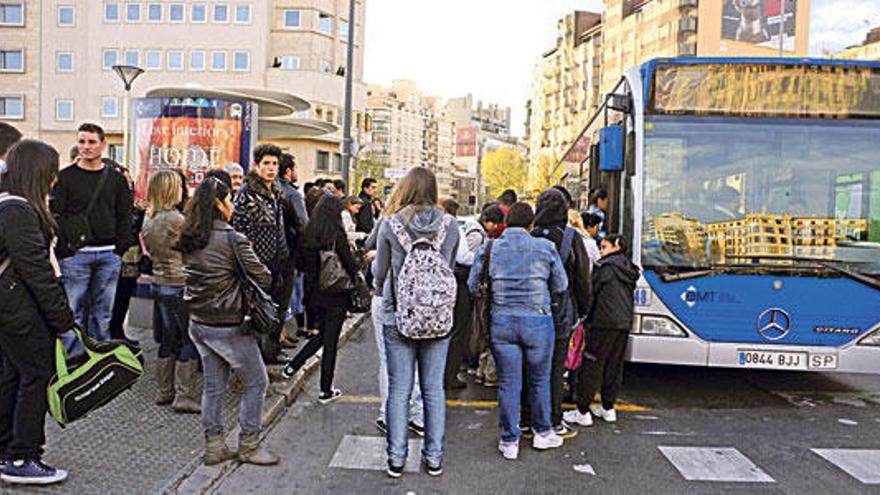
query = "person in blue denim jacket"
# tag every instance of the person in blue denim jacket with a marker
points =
(524, 271)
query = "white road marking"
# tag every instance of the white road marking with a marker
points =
(861, 464)
(847, 422)
(360, 452)
(584, 469)
(714, 464)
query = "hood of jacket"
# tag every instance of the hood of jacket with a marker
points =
(623, 268)
(423, 223)
(551, 209)
(257, 185)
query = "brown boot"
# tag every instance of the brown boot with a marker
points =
(250, 452)
(216, 450)
(165, 380)
(187, 398)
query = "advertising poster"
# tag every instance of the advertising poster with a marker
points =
(580, 151)
(192, 135)
(466, 142)
(758, 22)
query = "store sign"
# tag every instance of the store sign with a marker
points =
(191, 135)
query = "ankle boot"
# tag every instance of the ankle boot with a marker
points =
(187, 398)
(216, 450)
(165, 380)
(250, 452)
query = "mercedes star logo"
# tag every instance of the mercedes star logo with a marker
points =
(774, 324)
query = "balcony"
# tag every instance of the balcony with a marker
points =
(687, 4)
(687, 49)
(687, 25)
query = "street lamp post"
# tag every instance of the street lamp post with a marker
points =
(128, 73)
(349, 80)
(782, 30)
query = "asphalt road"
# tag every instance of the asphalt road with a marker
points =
(681, 430)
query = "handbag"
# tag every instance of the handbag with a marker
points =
(576, 346)
(257, 305)
(77, 229)
(478, 340)
(360, 296)
(85, 384)
(332, 276)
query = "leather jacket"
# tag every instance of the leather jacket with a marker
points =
(213, 286)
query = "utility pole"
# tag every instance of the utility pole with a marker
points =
(782, 30)
(349, 80)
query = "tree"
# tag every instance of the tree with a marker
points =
(368, 166)
(543, 174)
(503, 169)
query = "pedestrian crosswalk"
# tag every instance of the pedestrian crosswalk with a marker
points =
(861, 464)
(725, 464)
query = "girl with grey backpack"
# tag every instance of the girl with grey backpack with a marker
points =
(413, 271)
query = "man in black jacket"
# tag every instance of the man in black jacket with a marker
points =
(551, 222)
(365, 221)
(93, 204)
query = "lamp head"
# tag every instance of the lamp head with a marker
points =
(128, 73)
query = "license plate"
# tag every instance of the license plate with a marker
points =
(773, 360)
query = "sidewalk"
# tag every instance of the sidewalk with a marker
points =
(134, 446)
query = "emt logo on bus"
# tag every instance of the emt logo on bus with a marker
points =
(692, 296)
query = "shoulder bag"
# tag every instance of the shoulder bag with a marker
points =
(332, 276)
(481, 317)
(77, 229)
(257, 305)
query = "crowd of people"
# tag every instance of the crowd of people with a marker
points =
(73, 243)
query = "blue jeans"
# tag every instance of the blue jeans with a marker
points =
(514, 339)
(416, 408)
(403, 356)
(90, 279)
(222, 348)
(174, 340)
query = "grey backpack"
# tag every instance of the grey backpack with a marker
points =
(425, 288)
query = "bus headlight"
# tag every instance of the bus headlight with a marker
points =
(872, 338)
(661, 326)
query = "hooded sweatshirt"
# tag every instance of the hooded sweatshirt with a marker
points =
(390, 253)
(614, 281)
(551, 219)
(258, 215)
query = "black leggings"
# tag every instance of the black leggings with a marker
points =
(602, 367)
(331, 320)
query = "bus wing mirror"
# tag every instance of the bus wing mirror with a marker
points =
(611, 148)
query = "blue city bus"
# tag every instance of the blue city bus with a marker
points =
(749, 189)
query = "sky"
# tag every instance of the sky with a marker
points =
(488, 48)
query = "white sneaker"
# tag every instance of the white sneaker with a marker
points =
(609, 415)
(510, 451)
(544, 441)
(576, 418)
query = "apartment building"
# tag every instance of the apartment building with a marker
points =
(594, 49)
(867, 50)
(409, 129)
(68, 48)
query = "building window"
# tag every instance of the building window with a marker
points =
(322, 162)
(218, 61)
(66, 16)
(12, 60)
(221, 12)
(290, 62)
(65, 62)
(197, 60)
(132, 12)
(325, 24)
(153, 59)
(175, 60)
(199, 13)
(337, 162)
(241, 61)
(154, 12)
(243, 14)
(11, 107)
(326, 67)
(109, 107)
(64, 110)
(12, 14)
(110, 57)
(132, 57)
(177, 12)
(343, 30)
(292, 19)
(111, 12)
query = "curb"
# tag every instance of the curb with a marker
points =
(197, 478)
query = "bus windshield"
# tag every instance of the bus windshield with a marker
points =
(727, 191)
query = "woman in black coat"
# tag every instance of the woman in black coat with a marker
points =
(33, 311)
(324, 233)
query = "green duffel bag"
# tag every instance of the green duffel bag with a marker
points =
(84, 384)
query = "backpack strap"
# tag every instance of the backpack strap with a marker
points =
(400, 232)
(440, 238)
(567, 240)
(6, 197)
